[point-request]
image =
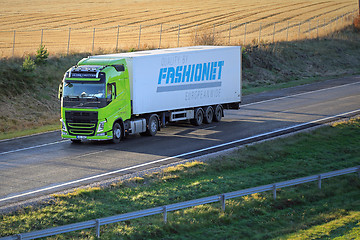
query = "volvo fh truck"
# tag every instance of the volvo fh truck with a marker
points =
(107, 97)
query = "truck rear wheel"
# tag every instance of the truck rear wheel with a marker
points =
(209, 114)
(117, 133)
(198, 117)
(218, 113)
(152, 126)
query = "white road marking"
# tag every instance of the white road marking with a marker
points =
(37, 146)
(173, 157)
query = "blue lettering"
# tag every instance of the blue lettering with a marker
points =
(206, 71)
(198, 72)
(186, 73)
(170, 75)
(162, 74)
(191, 73)
(220, 65)
(178, 74)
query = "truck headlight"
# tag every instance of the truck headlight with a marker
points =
(101, 126)
(63, 125)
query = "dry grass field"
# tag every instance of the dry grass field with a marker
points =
(95, 26)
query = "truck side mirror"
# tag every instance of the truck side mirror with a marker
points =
(60, 90)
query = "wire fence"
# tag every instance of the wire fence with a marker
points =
(117, 38)
(97, 223)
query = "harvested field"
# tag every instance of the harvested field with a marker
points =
(96, 26)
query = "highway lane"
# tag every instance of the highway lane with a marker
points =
(35, 163)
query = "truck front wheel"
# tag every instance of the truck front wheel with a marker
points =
(117, 133)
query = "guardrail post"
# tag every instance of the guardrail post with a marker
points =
(93, 42)
(245, 34)
(165, 214)
(358, 171)
(319, 182)
(274, 191)
(222, 200)
(98, 228)
(19, 237)
(274, 33)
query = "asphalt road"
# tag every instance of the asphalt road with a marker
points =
(41, 164)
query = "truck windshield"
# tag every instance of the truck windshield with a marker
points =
(84, 95)
(84, 90)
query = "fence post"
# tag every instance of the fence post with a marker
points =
(93, 43)
(317, 29)
(214, 34)
(309, 28)
(229, 32)
(165, 214)
(117, 38)
(42, 34)
(139, 36)
(274, 33)
(274, 191)
(196, 34)
(245, 34)
(299, 30)
(259, 33)
(287, 31)
(13, 51)
(160, 35)
(179, 36)
(67, 52)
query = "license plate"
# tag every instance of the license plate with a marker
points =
(81, 137)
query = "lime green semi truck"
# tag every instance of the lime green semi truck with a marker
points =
(107, 97)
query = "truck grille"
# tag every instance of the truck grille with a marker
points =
(81, 123)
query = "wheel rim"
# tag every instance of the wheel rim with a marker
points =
(153, 126)
(200, 117)
(209, 115)
(117, 132)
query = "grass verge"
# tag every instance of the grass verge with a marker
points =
(301, 212)
(28, 99)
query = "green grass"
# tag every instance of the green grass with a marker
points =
(301, 212)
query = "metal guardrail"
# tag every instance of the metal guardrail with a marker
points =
(177, 206)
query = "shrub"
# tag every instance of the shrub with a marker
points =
(41, 54)
(28, 64)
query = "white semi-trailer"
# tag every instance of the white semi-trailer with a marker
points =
(110, 96)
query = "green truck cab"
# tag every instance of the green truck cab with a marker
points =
(95, 100)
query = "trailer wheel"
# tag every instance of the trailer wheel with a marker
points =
(198, 117)
(209, 114)
(117, 133)
(218, 113)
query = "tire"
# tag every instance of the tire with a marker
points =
(198, 117)
(209, 114)
(218, 113)
(152, 126)
(117, 133)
